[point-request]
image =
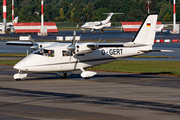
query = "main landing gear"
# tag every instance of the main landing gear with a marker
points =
(87, 74)
(64, 74)
(20, 75)
(102, 31)
(92, 31)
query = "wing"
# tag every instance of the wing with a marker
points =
(19, 43)
(101, 45)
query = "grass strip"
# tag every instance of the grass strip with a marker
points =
(127, 66)
(146, 67)
(147, 56)
(8, 62)
(13, 54)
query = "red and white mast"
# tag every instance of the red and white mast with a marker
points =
(4, 16)
(42, 14)
(43, 30)
(174, 15)
(148, 1)
(12, 10)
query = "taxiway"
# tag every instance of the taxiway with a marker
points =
(108, 95)
(114, 35)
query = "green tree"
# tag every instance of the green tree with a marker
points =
(61, 12)
(72, 13)
(167, 17)
(136, 14)
(55, 13)
(127, 5)
(65, 6)
(99, 13)
(48, 13)
(130, 18)
(178, 11)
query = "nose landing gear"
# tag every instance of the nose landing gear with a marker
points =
(20, 75)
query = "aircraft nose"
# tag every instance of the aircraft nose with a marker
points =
(20, 66)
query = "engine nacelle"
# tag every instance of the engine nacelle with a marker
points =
(83, 49)
(98, 23)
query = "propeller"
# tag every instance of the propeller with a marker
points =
(72, 47)
(34, 46)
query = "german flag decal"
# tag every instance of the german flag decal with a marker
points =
(148, 24)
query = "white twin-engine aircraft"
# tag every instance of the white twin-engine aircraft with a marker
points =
(66, 57)
(98, 25)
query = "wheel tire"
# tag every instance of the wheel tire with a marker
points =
(87, 78)
(65, 75)
(18, 79)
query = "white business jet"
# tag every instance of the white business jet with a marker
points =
(63, 58)
(98, 25)
(10, 24)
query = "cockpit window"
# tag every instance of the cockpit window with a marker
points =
(44, 52)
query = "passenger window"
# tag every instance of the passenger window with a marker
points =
(67, 53)
(44, 52)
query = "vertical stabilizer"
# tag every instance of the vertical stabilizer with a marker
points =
(109, 16)
(15, 20)
(146, 33)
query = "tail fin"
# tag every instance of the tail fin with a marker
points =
(109, 16)
(15, 20)
(146, 32)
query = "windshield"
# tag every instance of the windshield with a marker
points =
(45, 52)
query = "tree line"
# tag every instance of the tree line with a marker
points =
(89, 10)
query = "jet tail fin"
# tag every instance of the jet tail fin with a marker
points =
(110, 16)
(15, 20)
(146, 33)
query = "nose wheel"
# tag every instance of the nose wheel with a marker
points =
(20, 75)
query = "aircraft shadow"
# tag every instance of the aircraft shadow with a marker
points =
(47, 76)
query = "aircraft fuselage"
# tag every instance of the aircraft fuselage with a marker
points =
(63, 60)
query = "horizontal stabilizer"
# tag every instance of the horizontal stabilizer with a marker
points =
(101, 45)
(132, 44)
(156, 50)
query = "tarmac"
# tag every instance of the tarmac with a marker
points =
(114, 35)
(108, 95)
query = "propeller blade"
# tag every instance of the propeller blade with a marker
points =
(72, 47)
(74, 38)
(34, 46)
